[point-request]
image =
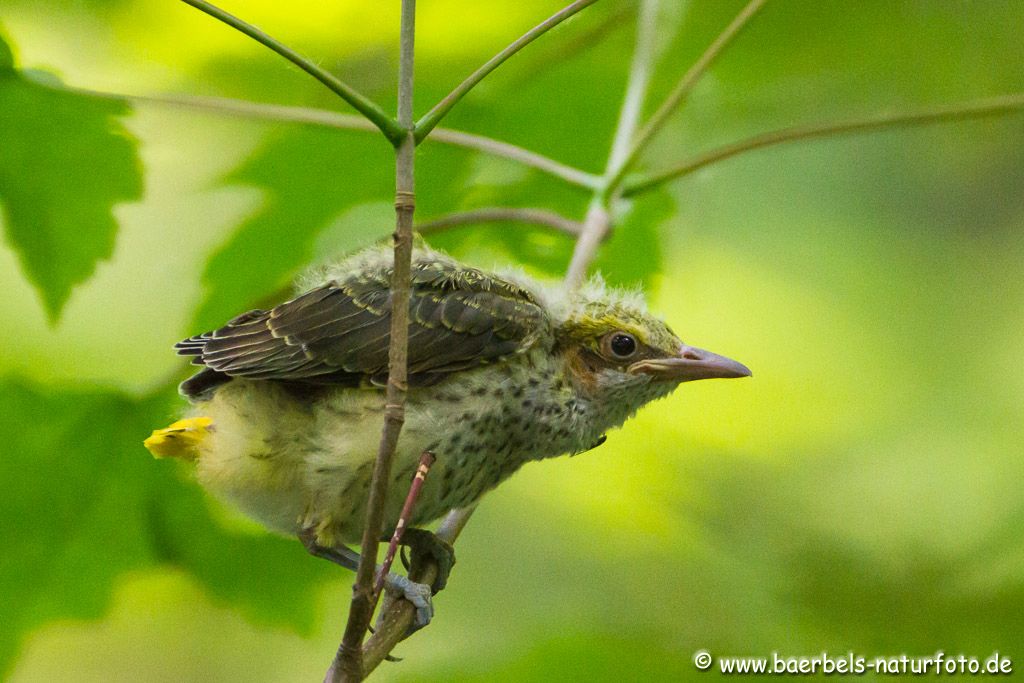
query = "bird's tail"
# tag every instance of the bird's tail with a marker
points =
(181, 439)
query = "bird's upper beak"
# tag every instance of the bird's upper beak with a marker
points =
(690, 364)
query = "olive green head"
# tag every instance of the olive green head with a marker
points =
(617, 348)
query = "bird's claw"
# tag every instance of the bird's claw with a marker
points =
(425, 544)
(419, 594)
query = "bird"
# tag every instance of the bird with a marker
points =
(286, 412)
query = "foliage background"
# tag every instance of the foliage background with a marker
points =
(861, 493)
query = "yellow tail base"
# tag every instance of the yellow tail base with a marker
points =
(180, 440)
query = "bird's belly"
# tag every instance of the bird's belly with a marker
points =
(339, 482)
(252, 456)
(291, 465)
(475, 448)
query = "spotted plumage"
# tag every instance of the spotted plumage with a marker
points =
(502, 371)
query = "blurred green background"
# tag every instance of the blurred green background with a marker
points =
(862, 492)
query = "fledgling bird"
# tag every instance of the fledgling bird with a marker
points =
(287, 411)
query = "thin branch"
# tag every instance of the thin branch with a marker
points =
(571, 45)
(684, 87)
(348, 662)
(501, 214)
(454, 523)
(595, 227)
(598, 220)
(245, 109)
(359, 102)
(964, 110)
(397, 616)
(427, 460)
(636, 85)
(441, 109)
(524, 156)
(330, 119)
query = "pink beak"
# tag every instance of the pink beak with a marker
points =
(691, 364)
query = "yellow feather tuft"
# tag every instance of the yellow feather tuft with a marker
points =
(180, 440)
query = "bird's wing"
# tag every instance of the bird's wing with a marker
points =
(338, 333)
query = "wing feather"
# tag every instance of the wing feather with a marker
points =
(338, 333)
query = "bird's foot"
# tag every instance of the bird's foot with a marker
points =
(425, 544)
(419, 594)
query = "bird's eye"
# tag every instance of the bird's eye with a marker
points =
(620, 344)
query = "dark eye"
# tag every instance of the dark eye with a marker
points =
(622, 345)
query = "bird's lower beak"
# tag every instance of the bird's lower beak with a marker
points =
(689, 365)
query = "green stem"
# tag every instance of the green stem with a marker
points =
(636, 89)
(683, 89)
(598, 221)
(964, 110)
(441, 109)
(501, 214)
(359, 102)
(570, 174)
(332, 119)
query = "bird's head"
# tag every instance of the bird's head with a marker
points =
(620, 353)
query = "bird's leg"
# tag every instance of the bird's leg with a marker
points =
(343, 557)
(418, 594)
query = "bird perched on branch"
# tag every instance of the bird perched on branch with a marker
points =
(288, 408)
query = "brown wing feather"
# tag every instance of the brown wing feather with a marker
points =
(339, 333)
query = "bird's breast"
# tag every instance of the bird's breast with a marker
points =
(484, 427)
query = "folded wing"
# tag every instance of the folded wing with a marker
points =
(338, 333)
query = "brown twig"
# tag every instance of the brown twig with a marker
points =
(426, 460)
(501, 214)
(397, 616)
(950, 112)
(348, 661)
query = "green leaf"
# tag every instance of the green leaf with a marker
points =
(64, 163)
(83, 503)
(66, 522)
